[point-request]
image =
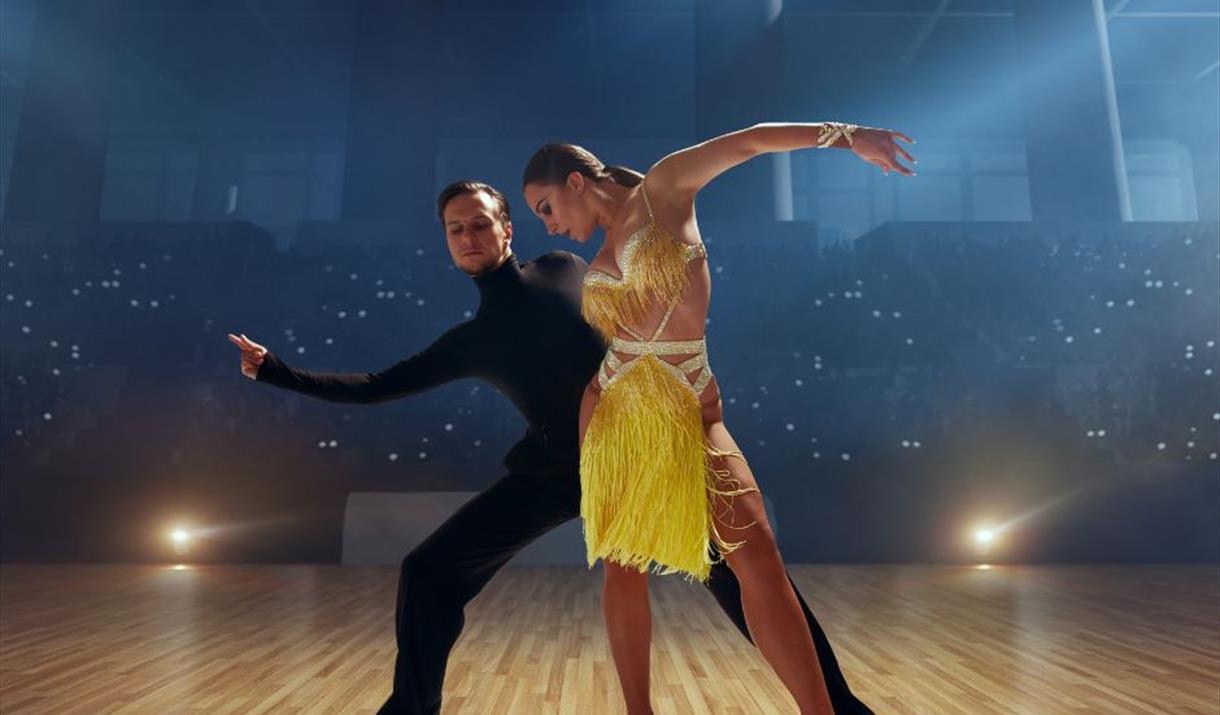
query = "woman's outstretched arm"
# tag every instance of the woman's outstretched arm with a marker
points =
(687, 171)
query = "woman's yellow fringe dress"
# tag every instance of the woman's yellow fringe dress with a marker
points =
(648, 485)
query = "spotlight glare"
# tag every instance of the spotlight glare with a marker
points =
(984, 536)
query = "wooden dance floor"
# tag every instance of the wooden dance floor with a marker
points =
(932, 640)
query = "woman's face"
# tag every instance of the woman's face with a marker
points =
(562, 207)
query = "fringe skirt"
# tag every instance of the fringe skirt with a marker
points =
(648, 485)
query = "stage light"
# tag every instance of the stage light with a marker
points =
(984, 537)
(181, 539)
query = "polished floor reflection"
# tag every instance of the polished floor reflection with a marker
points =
(924, 639)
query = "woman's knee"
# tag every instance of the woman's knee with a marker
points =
(757, 556)
(622, 577)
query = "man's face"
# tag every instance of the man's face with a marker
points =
(477, 234)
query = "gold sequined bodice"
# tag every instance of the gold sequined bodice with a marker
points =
(654, 270)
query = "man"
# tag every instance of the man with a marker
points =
(528, 340)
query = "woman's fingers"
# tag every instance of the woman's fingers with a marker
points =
(904, 152)
(902, 136)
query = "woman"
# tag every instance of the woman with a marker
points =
(662, 479)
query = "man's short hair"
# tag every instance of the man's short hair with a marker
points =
(459, 188)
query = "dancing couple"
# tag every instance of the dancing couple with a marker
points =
(609, 365)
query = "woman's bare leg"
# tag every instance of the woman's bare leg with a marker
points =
(773, 613)
(629, 626)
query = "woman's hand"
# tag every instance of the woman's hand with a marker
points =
(877, 146)
(252, 355)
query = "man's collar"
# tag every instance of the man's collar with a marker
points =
(499, 280)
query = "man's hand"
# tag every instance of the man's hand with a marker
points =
(878, 146)
(251, 355)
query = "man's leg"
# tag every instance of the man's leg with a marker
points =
(447, 570)
(725, 588)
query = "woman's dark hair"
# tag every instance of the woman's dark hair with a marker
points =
(460, 188)
(552, 163)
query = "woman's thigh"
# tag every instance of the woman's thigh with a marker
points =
(740, 517)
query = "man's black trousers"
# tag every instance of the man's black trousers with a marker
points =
(441, 575)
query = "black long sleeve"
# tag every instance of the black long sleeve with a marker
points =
(447, 359)
(527, 340)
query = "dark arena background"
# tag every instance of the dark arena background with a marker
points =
(983, 402)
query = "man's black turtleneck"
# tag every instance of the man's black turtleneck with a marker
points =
(527, 339)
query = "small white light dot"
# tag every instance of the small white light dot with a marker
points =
(845, 457)
(46, 416)
(333, 443)
(423, 455)
(300, 350)
(448, 427)
(1160, 446)
(790, 427)
(353, 276)
(799, 382)
(393, 456)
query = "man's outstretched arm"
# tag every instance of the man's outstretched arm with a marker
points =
(447, 359)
